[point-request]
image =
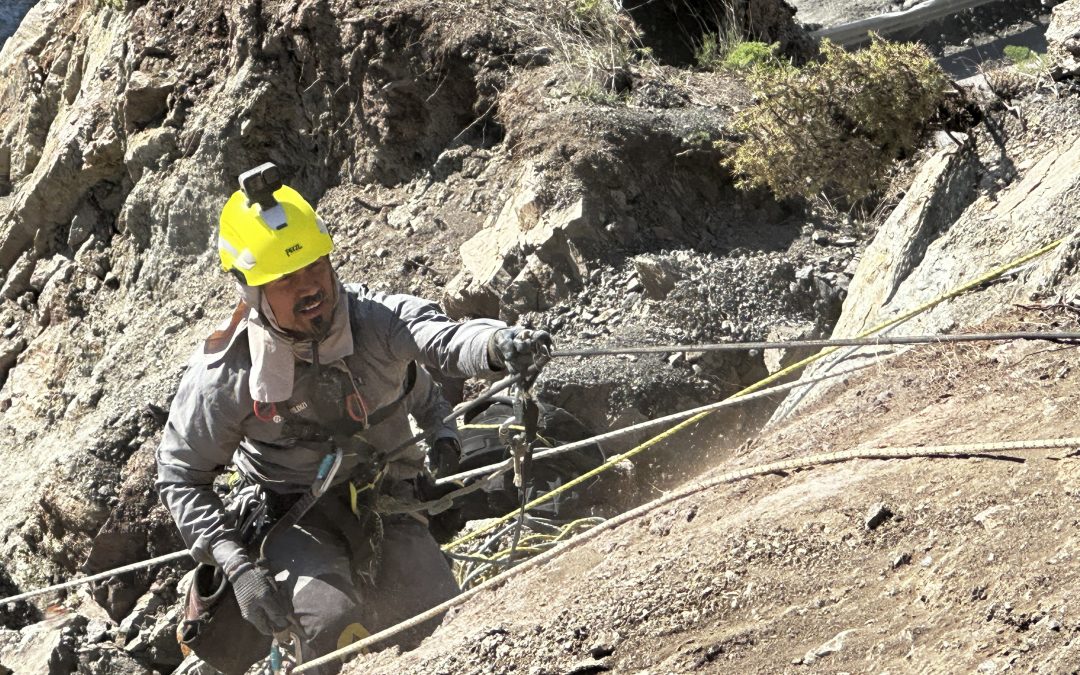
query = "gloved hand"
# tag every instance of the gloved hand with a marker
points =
(259, 601)
(516, 348)
(445, 525)
(445, 456)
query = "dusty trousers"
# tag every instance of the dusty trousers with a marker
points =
(312, 564)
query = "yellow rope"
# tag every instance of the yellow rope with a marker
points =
(512, 427)
(477, 566)
(960, 290)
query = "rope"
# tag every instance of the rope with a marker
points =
(826, 342)
(506, 382)
(959, 290)
(493, 470)
(485, 561)
(170, 557)
(941, 451)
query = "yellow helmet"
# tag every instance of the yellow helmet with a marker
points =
(267, 230)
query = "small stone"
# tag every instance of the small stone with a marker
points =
(97, 631)
(877, 515)
(846, 241)
(635, 286)
(901, 559)
(601, 649)
(381, 252)
(603, 317)
(820, 237)
(675, 358)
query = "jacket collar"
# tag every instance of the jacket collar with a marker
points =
(274, 354)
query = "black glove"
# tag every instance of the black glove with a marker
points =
(445, 525)
(445, 457)
(258, 599)
(517, 348)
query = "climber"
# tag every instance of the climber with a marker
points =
(306, 371)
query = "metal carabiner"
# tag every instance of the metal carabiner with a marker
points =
(325, 475)
(281, 662)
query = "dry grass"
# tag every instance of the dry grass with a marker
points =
(591, 41)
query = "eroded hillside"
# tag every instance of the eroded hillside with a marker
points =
(458, 154)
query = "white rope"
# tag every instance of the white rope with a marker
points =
(170, 557)
(970, 449)
(493, 470)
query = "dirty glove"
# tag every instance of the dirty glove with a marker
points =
(445, 456)
(444, 525)
(517, 348)
(258, 599)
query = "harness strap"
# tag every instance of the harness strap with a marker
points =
(220, 339)
(385, 412)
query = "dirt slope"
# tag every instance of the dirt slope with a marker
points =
(973, 571)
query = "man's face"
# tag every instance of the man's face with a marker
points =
(303, 302)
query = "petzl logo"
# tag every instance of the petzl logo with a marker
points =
(293, 249)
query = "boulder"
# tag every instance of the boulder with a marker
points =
(778, 359)
(658, 275)
(18, 277)
(539, 287)
(107, 659)
(149, 149)
(1063, 39)
(9, 353)
(523, 259)
(145, 100)
(45, 647)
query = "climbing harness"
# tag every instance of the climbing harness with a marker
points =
(287, 641)
(324, 477)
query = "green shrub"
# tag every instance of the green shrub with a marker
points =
(1025, 60)
(707, 54)
(835, 126)
(1019, 55)
(750, 55)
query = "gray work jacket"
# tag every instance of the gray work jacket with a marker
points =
(214, 420)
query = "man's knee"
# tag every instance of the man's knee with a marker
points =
(325, 606)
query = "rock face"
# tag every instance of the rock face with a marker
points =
(523, 260)
(953, 226)
(1064, 40)
(420, 130)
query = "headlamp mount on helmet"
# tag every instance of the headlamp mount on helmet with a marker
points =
(268, 230)
(260, 184)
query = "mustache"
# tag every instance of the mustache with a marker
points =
(309, 300)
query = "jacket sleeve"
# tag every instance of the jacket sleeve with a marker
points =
(202, 432)
(420, 331)
(429, 407)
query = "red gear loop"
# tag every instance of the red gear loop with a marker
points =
(259, 406)
(355, 407)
